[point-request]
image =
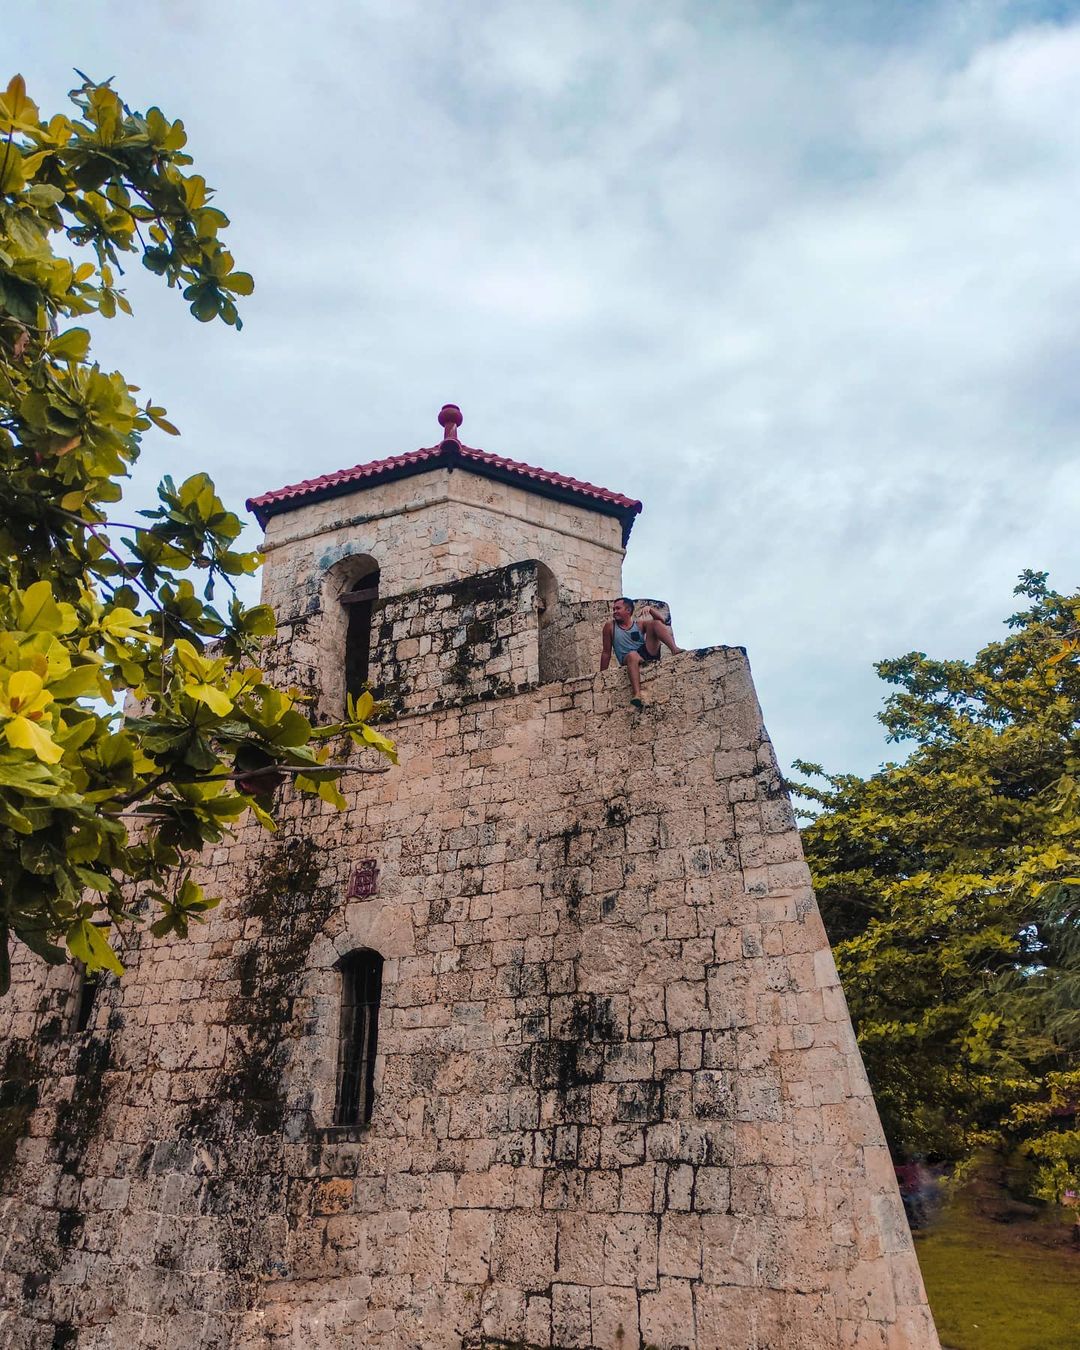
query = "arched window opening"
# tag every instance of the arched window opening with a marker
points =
(359, 602)
(84, 1000)
(361, 990)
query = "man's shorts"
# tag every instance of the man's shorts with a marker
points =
(643, 652)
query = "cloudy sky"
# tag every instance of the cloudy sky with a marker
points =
(804, 277)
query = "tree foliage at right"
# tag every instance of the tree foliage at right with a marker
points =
(950, 888)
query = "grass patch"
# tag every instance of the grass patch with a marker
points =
(992, 1289)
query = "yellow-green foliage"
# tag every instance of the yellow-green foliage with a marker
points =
(90, 617)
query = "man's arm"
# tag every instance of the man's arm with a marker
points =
(605, 655)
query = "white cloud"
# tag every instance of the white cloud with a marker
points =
(803, 277)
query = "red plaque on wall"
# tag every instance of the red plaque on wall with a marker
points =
(364, 881)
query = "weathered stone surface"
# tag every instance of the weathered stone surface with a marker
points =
(618, 1099)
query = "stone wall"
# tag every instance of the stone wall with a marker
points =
(618, 1099)
(570, 639)
(473, 638)
(435, 527)
(482, 634)
(430, 530)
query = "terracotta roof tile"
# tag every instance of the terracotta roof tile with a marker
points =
(451, 453)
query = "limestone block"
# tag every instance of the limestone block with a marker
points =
(571, 1316)
(667, 1315)
(469, 1246)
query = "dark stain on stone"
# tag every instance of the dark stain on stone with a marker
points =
(617, 814)
(283, 889)
(574, 895)
(69, 1226)
(19, 1080)
(568, 836)
(465, 635)
(593, 1019)
(640, 1103)
(472, 1342)
(237, 1128)
(563, 1065)
(32, 1282)
(78, 1118)
(172, 1155)
(77, 1122)
(247, 970)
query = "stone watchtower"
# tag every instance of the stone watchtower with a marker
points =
(537, 1044)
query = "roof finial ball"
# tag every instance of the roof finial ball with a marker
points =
(450, 419)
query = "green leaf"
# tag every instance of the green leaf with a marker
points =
(72, 345)
(23, 733)
(38, 942)
(157, 416)
(39, 612)
(330, 792)
(205, 303)
(12, 178)
(87, 944)
(381, 743)
(211, 696)
(265, 819)
(157, 259)
(196, 490)
(18, 112)
(291, 729)
(258, 621)
(43, 196)
(79, 682)
(29, 777)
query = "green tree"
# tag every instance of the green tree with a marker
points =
(950, 886)
(98, 808)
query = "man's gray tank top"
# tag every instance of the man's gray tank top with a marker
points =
(626, 640)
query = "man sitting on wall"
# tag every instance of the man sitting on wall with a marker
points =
(635, 642)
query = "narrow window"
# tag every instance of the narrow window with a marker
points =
(361, 988)
(359, 604)
(84, 1000)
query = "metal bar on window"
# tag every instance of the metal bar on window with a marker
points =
(354, 597)
(361, 989)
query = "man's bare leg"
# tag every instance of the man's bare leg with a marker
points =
(657, 632)
(633, 669)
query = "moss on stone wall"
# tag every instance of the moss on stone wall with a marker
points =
(467, 624)
(283, 890)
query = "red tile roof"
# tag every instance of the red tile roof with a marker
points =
(453, 454)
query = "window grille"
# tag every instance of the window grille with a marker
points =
(84, 1000)
(361, 990)
(360, 605)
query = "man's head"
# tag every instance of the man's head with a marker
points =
(623, 609)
